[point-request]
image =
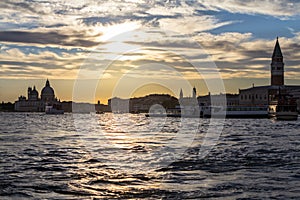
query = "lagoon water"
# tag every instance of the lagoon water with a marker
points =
(129, 156)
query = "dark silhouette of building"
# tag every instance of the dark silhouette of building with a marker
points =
(48, 93)
(35, 104)
(277, 66)
(266, 95)
(7, 107)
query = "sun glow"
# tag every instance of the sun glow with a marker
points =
(115, 40)
(117, 29)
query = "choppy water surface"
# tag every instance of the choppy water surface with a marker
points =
(124, 156)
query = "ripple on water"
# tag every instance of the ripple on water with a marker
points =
(123, 157)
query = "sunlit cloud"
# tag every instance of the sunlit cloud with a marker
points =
(191, 24)
(279, 8)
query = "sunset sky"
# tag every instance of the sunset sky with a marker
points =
(132, 48)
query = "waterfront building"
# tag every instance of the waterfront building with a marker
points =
(118, 105)
(231, 99)
(141, 104)
(188, 101)
(266, 95)
(35, 104)
(189, 105)
(258, 95)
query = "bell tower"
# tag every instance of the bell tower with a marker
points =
(181, 94)
(277, 66)
(194, 92)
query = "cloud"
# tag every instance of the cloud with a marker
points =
(46, 38)
(191, 24)
(69, 25)
(238, 54)
(42, 64)
(276, 8)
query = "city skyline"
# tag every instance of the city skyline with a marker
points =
(57, 41)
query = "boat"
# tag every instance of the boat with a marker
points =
(284, 107)
(235, 111)
(175, 112)
(167, 113)
(280, 112)
(284, 110)
(53, 109)
(162, 115)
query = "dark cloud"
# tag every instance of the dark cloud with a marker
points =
(20, 65)
(25, 6)
(168, 44)
(34, 7)
(16, 73)
(47, 38)
(257, 53)
(144, 17)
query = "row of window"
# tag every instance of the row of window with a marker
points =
(276, 68)
(252, 97)
(246, 109)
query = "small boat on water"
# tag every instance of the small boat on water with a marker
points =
(162, 115)
(284, 111)
(167, 113)
(284, 108)
(53, 109)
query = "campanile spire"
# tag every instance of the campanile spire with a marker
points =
(277, 66)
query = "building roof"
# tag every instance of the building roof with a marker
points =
(47, 90)
(265, 87)
(293, 86)
(271, 87)
(277, 50)
(34, 91)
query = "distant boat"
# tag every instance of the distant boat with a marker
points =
(176, 112)
(163, 115)
(284, 108)
(190, 112)
(50, 109)
(235, 111)
(281, 112)
(286, 112)
(218, 112)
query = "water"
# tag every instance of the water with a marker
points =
(126, 156)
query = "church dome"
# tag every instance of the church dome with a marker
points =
(47, 92)
(34, 92)
(33, 95)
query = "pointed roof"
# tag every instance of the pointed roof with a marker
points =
(194, 89)
(47, 83)
(181, 93)
(277, 50)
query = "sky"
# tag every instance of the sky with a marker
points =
(93, 50)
